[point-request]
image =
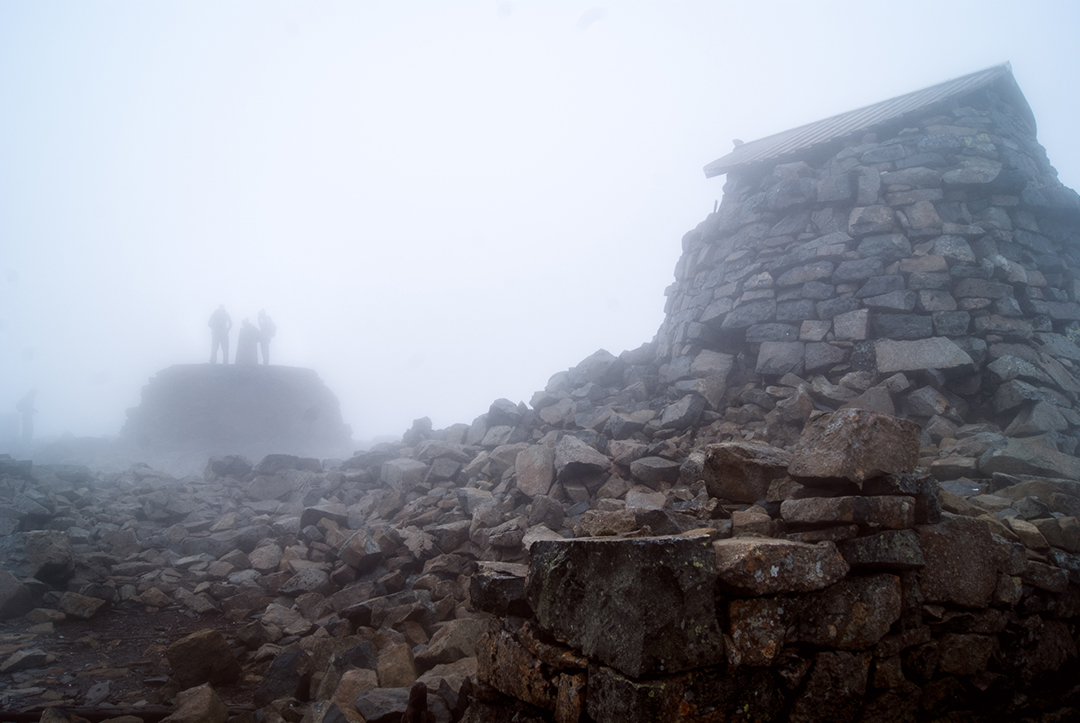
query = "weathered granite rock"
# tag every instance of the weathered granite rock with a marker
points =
(743, 471)
(853, 614)
(403, 474)
(891, 513)
(82, 607)
(655, 471)
(754, 566)
(506, 665)
(535, 469)
(15, 598)
(683, 413)
(574, 458)
(641, 605)
(960, 562)
(202, 657)
(933, 353)
(854, 445)
(42, 554)
(837, 683)
(889, 550)
(758, 628)
(1024, 457)
(289, 676)
(388, 705)
(200, 704)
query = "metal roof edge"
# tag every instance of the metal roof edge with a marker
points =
(788, 143)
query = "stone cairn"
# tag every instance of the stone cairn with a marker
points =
(728, 523)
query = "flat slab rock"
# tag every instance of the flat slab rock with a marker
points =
(854, 445)
(641, 605)
(761, 566)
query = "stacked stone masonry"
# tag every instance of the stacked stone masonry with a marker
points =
(942, 248)
(856, 598)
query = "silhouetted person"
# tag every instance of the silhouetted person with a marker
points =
(220, 323)
(247, 345)
(416, 710)
(25, 408)
(267, 329)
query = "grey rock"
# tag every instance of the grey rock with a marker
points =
(877, 285)
(868, 220)
(776, 332)
(574, 459)
(889, 247)
(933, 353)
(640, 605)
(858, 270)
(683, 413)
(855, 445)
(743, 471)
(754, 312)
(902, 326)
(892, 301)
(759, 566)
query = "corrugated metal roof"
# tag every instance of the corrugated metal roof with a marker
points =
(788, 142)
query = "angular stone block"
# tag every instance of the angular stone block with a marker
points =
(889, 550)
(853, 614)
(960, 566)
(743, 471)
(535, 470)
(757, 628)
(776, 358)
(933, 353)
(854, 445)
(760, 566)
(892, 513)
(640, 605)
(852, 325)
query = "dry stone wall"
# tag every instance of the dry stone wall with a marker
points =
(942, 249)
(858, 599)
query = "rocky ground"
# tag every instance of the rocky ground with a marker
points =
(299, 589)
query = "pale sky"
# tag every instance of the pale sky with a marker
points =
(438, 203)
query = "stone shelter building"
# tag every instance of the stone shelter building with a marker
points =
(918, 256)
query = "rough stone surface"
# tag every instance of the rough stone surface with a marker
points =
(855, 445)
(960, 567)
(751, 566)
(906, 356)
(203, 657)
(891, 513)
(639, 605)
(743, 471)
(853, 614)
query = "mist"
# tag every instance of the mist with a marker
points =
(439, 204)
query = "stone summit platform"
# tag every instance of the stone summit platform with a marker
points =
(230, 409)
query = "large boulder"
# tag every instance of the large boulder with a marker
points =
(743, 471)
(640, 605)
(757, 566)
(960, 562)
(854, 445)
(202, 657)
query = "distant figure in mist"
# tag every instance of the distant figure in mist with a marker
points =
(25, 408)
(267, 329)
(247, 346)
(220, 323)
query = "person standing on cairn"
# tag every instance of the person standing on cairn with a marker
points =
(220, 323)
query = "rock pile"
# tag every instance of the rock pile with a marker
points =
(848, 594)
(339, 586)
